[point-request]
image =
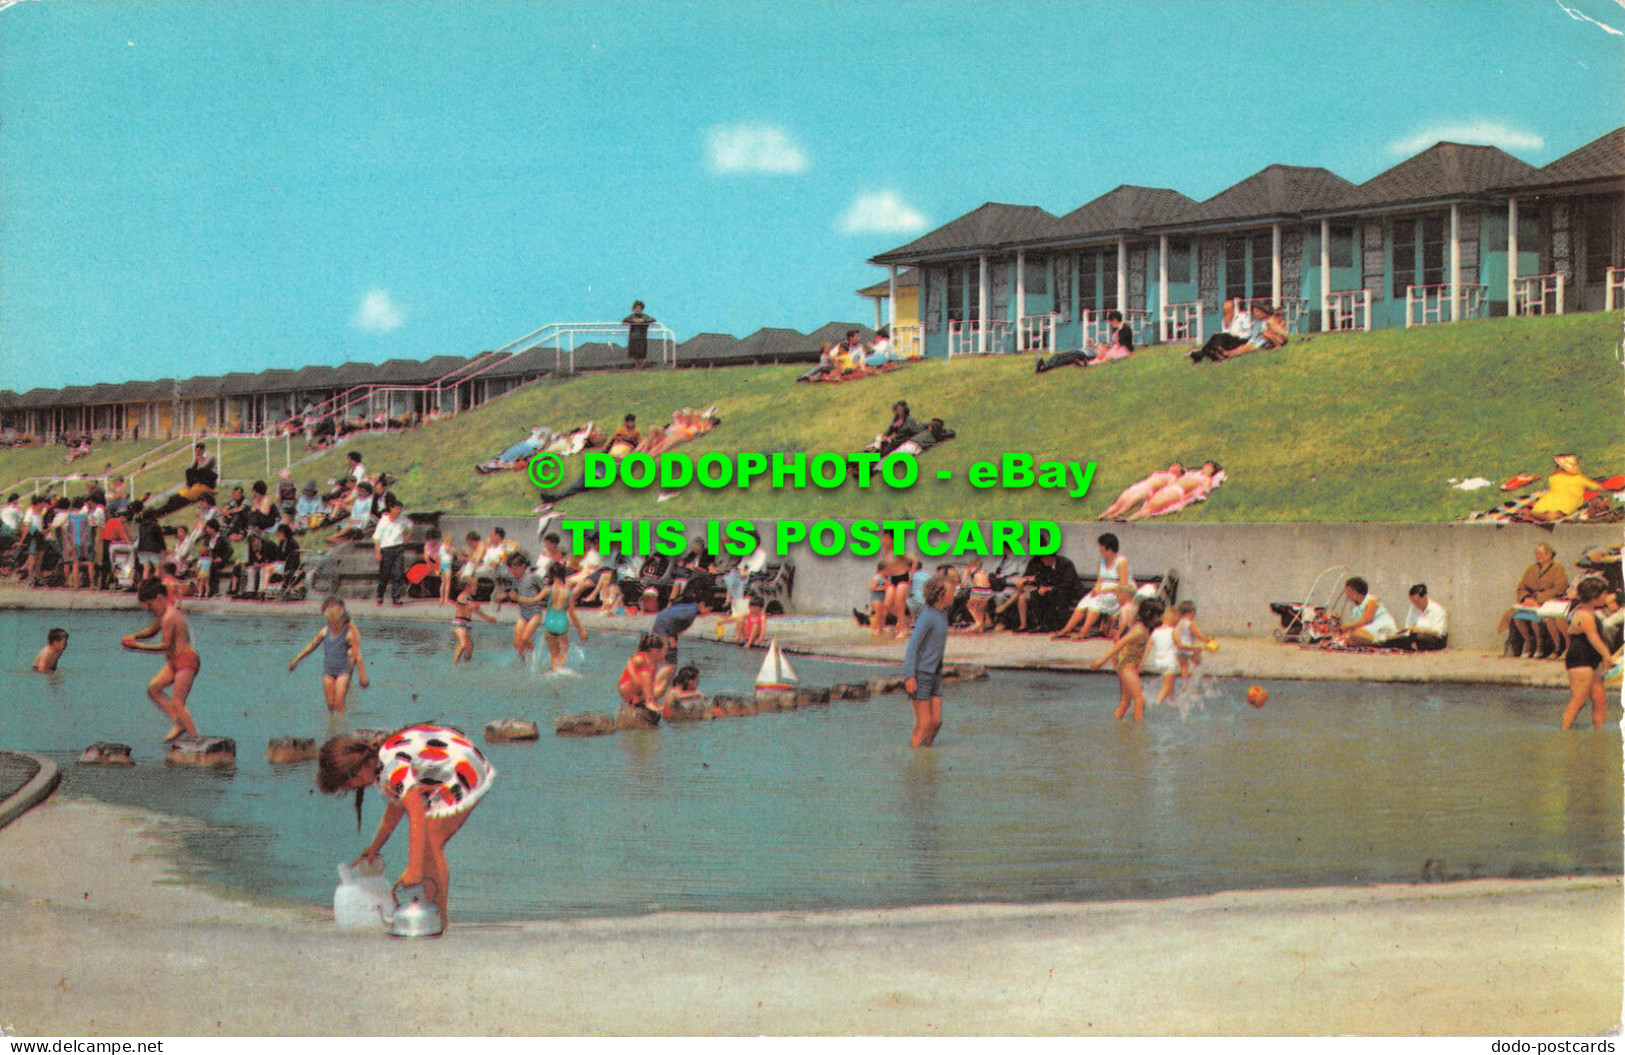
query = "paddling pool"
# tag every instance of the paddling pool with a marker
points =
(1033, 793)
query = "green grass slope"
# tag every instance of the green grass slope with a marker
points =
(1359, 427)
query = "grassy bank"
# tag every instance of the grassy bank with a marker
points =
(1332, 428)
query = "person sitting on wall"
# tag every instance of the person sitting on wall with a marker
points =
(1238, 330)
(1426, 624)
(1543, 583)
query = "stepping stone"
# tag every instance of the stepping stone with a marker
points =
(733, 705)
(849, 691)
(202, 751)
(589, 723)
(106, 754)
(809, 696)
(511, 730)
(288, 750)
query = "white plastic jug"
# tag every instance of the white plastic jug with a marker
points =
(363, 897)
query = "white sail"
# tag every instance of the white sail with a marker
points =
(776, 671)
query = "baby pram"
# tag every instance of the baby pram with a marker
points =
(1306, 622)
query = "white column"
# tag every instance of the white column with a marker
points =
(891, 286)
(1275, 264)
(1455, 263)
(1162, 287)
(1122, 275)
(1325, 275)
(1512, 256)
(878, 321)
(981, 308)
(1021, 286)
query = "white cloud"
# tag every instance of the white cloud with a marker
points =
(1482, 133)
(735, 149)
(881, 212)
(378, 313)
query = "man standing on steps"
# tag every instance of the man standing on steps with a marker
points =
(389, 546)
(637, 335)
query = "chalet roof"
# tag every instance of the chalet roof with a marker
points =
(770, 342)
(831, 332)
(1122, 210)
(907, 278)
(200, 387)
(1273, 193)
(1439, 173)
(704, 346)
(1601, 159)
(987, 227)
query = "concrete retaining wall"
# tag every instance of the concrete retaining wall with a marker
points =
(1234, 571)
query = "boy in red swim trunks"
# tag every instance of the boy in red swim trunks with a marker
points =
(181, 662)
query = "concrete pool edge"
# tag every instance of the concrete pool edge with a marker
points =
(841, 639)
(31, 790)
(91, 898)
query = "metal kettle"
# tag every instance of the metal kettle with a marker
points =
(415, 916)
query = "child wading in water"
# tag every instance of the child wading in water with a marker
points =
(467, 608)
(1162, 659)
(1130, 652)
(56, 643)
(181, 661)
(1189, 640)
(644, 680)
(559, 616)
(340, 643)
(430, 774)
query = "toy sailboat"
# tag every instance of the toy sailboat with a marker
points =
(776, 672)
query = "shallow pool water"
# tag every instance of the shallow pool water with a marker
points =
(1033, 794)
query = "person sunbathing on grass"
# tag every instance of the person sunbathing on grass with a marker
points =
(1138, 492)
(1182, 492)
(685, 425)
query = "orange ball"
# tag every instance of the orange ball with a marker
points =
(1256, 696)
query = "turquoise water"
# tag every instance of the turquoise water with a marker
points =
(1033, 794)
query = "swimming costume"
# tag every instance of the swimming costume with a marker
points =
(1130, 656)
(556, 622)
(459, 622)
(439, 759)
(336, 652)
(1582, 653)
(187, 660)
(1164, 658)
(901, 580)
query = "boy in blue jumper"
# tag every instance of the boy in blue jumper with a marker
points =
(922, 663)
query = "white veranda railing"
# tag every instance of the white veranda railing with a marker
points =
(1538, 294)
(1183, 322)
(1348, 309)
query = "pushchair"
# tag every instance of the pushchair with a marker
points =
(1306, 622)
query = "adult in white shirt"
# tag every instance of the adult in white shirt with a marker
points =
(389, 546)
(358, 471)
(1426, 624)
(1238, 329)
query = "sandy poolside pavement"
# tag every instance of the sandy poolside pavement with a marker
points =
(840, 638)
(96, 937)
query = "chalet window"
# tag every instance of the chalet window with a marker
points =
(1341, 246)
(1598, 224)
(1179, 261)
(1235, 269)
(1037, 277)
(1435, 250)
(956, 294)
(1108, 279)
(1088, 281)
(1262, 266)
(1404, 244)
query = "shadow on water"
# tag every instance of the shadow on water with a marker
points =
(1033, 793)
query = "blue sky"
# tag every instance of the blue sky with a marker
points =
(201, 187)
